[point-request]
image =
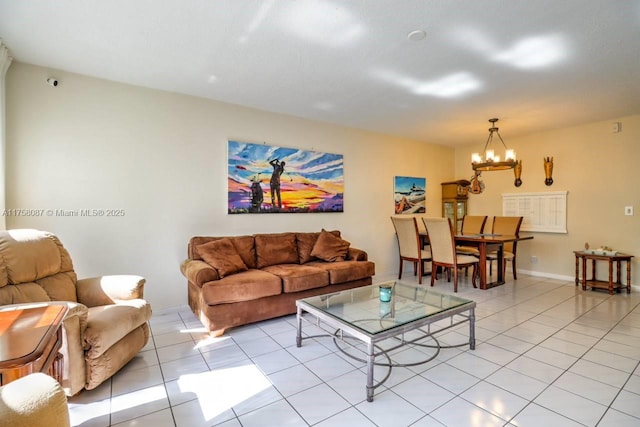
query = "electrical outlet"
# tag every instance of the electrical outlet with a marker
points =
(628, 210)
(534, 259)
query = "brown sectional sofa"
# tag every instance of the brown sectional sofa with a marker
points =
(244, 279)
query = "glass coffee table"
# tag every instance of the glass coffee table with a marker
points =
(409, 318)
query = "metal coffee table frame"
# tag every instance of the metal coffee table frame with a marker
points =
(342, 327)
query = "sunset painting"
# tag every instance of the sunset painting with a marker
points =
(269, 179)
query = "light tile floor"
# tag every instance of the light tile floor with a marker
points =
(548, 354)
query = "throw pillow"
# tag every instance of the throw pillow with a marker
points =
(330, 248)
(223, 256)
(306, 241)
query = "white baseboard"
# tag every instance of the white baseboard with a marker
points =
(559, 277)
(547, 275)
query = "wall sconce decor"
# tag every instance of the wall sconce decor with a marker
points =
(548, 170)
(491, 162)
(517, 171)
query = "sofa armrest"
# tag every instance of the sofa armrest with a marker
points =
(104, 290)
(357, 255)
(198, 272)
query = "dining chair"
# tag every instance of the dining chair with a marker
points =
(410, 245)
(443, 251)
(506, 225)
(471, 224)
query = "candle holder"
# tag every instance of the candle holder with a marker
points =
(385, 293)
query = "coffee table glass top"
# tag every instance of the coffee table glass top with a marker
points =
(362, 308)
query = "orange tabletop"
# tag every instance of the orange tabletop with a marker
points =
(30, 337)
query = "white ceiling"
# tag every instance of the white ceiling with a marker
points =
(535, 64)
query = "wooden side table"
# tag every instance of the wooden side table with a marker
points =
(610, 285)
(30, 337)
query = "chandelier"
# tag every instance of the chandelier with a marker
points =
(492, 162)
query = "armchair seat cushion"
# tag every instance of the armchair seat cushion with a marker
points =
(108, 324)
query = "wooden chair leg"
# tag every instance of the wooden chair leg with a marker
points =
(475, 273)
(415, 268)
(455, 280)
(513, 267)
(420, 271)
(433, 273)
(400, 272)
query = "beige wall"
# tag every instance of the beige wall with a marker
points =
(161, 157)
(596, 167)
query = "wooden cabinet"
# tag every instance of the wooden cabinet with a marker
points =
(454, 201)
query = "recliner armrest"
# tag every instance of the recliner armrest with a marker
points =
(104, 290)
(198, 272)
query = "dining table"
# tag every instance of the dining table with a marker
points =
(485, 242)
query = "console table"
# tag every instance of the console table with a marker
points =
(610, 285)
(30, 337)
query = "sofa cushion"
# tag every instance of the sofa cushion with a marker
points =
(246, 248)
(299, 277)
(330, 248)
(274, 249)
(108, 324)
(306, 241)
(244, 245)
(346, 271)
(244, 286)
(223, 256)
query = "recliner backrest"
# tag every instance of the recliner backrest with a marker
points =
(34, 267)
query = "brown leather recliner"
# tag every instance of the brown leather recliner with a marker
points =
(107, 322)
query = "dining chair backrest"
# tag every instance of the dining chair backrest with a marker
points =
(408, 236)
(441, 239)
(508, 225)
(473, 224)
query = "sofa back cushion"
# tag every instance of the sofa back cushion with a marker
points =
(244, 245)
(306, 242)
(274, 249)
(33, 257)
